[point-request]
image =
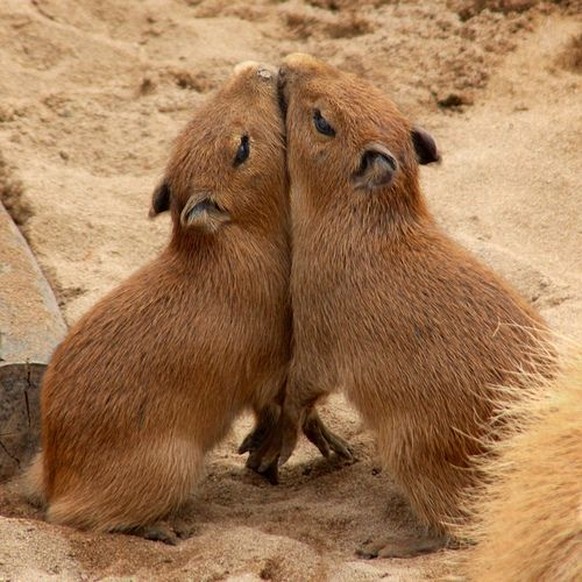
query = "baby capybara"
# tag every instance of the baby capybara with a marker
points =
(387, 307)
(153, 376)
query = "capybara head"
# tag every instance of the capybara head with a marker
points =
(344, 135)
(228, 168)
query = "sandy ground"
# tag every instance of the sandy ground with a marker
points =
(91, 95)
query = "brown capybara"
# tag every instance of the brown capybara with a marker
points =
(529, 516)
(153, 376)
(387, 307)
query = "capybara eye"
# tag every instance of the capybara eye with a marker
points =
(244, 149)
(321, 124)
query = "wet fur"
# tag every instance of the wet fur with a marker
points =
(152, 377)
(386, 306)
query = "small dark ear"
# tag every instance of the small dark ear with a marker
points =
(160, 199)
(424, 146)
(377, 167)
(203, 214)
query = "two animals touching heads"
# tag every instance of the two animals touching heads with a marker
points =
(303, 259)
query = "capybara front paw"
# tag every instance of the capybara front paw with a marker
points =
(265, 460)
(325, 440)
(269, 470)
(252, 441)
(263, 444)
(265, 427)
(263, 454)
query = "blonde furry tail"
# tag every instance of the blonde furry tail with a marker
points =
(31, 482)
(528, 518)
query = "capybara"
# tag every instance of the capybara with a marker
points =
(153, 376)
(529, 516)
(386, 306)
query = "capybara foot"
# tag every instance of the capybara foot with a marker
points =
(269, 472)
(405, 547)
(252, 441)
(325, 440)
(263, 445)
(271, 444)
(266, 423)
(164, 532)
(182, 528)
(279, 445)
(265, 459)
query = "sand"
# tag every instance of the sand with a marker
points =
(91, 96)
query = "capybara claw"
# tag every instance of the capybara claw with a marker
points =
(263, 431)
(157, 533)
(324, 439)
(248, 444)
(268, 470)
(271, 473)
(267, 463)
(267, 467)
(341, 448)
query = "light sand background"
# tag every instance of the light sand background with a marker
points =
(92, 94)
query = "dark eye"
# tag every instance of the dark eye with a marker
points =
(321, 124)
(243, 151)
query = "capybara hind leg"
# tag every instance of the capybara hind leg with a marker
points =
(434, 493)
(132, 493)
(269, 450)
(263, 435)
(431, 474)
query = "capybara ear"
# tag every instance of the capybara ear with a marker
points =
(160, 199)
(203, 214)
(424, 146)
(377, 167)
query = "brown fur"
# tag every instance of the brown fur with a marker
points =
(386, 306)
(529, 518)
(152, 377)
